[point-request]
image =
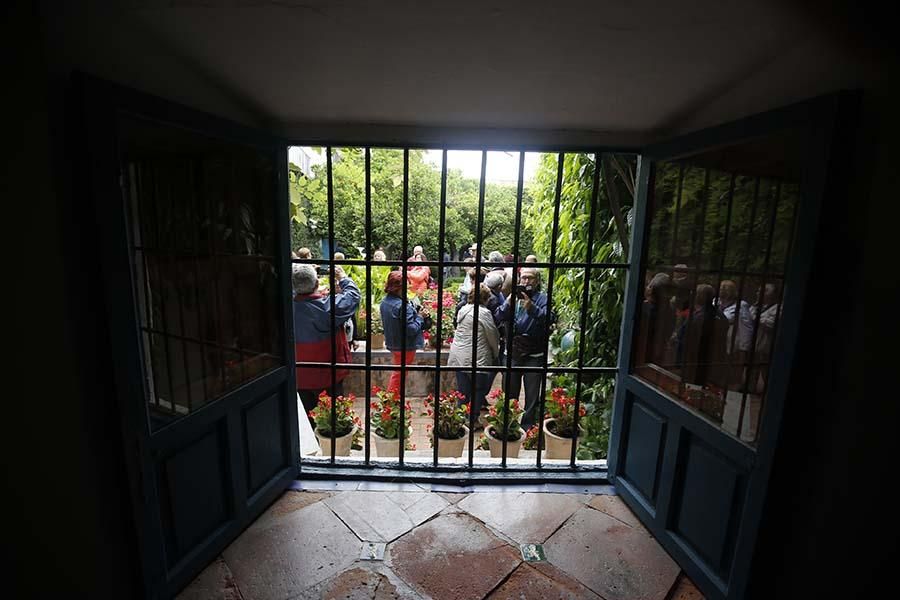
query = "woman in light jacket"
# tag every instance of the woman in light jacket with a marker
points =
(487, 345)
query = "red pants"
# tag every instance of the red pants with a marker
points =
(394, 383)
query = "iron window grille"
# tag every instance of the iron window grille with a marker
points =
(580, 370)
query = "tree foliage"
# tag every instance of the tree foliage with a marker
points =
(607, 285)
(309, 206)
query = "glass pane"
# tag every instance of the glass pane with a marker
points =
(204, 247)
(721, 227)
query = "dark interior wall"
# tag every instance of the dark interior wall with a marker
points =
(65, 481)
(827, 525)
(826, 530)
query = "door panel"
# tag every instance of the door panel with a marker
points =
(643, 462)
(197, 288)
(726, 221)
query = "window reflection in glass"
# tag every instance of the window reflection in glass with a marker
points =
(720, 229)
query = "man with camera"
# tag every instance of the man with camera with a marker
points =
(312, 330)
(529, 339)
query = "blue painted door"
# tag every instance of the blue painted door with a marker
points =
(192, 215)
(725, 225)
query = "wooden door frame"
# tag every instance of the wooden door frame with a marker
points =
(96, 105)
(818, 118)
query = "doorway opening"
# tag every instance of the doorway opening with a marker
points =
(386, 245)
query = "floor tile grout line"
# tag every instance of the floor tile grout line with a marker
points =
(344, 523)
(566, 573)
(231, 576)
(612, 516)
(563, 524)
(504, 580)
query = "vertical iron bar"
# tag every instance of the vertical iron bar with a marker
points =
(368, 292)
(759, 303)
(176, 264)
(476, 292)
(595, 195)
(148, 299)
(333, 394)
(265, 339)
(163, 294)
(543, 393)
(746, 265)
(737, 313)
(762, 400)
(236, 229)
(440, 301)
(214, 271)
(200, 313)
(696, 250)
(403, 306)
(677, 214)
(510, 321)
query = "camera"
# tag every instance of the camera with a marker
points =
(528, 290)
(322, 270)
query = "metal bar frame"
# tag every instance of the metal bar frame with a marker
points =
(509, 370)
(589, 252)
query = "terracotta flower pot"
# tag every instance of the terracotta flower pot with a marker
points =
(377, 341)
(556, 446)
(341, 444)
(512, 447)
(387, 447)
(453, 448)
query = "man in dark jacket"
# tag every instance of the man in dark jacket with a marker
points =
(531, 325)
(313, 334)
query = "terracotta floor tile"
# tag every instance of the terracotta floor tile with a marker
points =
(308, 546)
(452, 557)
(611, 558)
(384, 516)
(527, 582)
(361, 582)
(616, 508)
(216, 581)
(685, 590)
(523, 517)
(289, 502)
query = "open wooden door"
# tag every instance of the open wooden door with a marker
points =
(724, 238)
(192, 214)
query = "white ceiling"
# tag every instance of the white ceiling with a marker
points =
(601, 66)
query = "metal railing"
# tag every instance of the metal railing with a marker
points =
(508, 369)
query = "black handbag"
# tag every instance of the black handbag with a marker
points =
(427, 322)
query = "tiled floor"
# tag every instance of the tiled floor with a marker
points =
(443, 545)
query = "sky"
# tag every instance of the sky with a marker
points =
(502, 167)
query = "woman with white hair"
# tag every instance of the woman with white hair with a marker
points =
(487, 344)
(313, 334)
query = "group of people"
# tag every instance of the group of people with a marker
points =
(507, 312)
(707, 335)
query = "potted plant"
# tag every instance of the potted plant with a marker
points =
(559, 429)
(448, 313)
(498, 413)
(531, 438)
(346, 423)
(451, 423)
(377, 330)
(386, 423)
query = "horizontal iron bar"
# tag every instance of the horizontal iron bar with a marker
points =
(460, 475)
(392, 367)
(456, 263)
(490, 147)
